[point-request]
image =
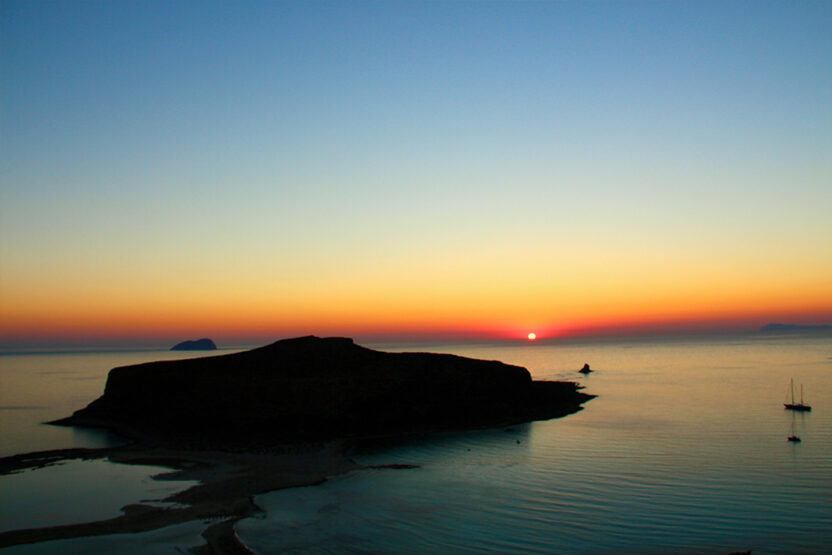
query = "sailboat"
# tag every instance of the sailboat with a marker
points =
(801, 406)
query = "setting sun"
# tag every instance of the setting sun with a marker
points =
(532, 336)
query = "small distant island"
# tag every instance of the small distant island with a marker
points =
(203, 344)
(795, 327)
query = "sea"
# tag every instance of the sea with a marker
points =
(684, 450)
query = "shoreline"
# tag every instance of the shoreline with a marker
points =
(227, 484)
(239, 428)
(228, 480)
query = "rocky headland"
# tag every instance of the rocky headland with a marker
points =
(313, 389)
(276, 417)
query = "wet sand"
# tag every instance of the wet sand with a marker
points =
(228, 482)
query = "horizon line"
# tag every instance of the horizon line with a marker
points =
(232, 341)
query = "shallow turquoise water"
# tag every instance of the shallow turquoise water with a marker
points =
(683, 451)
(181, 538)
(63, 493)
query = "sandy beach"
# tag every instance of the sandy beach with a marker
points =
(228, 482)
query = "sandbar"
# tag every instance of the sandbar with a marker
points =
(228, 482)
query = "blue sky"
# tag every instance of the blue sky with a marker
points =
(335, 136)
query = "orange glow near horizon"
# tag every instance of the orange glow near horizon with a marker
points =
(448, 205)
(496, 293)
(80, 325)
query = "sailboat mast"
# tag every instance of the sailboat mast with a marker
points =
(801, 406)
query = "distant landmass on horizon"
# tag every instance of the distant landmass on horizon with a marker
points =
(795, 327)
(203, 344)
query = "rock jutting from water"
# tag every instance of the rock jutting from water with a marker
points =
(311, 389)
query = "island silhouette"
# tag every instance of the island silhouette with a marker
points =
(279, 416)
(203, 344)
(309, 388)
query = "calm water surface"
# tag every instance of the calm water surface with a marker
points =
(684, 451)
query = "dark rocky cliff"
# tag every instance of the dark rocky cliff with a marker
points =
(311, 388)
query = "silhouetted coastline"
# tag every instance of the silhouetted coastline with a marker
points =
(313, 389)
(280, 416)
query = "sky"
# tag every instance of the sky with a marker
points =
(256, 170)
